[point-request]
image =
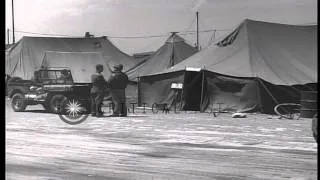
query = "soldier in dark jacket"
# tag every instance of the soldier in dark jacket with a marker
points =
(118, 83)
(99, 86)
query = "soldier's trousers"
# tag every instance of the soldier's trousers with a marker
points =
(119, 101)
(96, 102)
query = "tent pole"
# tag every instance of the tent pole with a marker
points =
(259, 93)
(198, 47)
(172, 55)
(8, 36)
(183, 88)
(139, 100)
(13, 38)
(202, 89)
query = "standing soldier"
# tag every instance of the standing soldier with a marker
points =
(99, 85)
(118, 83)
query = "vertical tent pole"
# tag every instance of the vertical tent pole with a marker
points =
(8, 36)
(198, 46)
(139, 98)
(256, 80)
(13, 38)
(172, 55)
(183, 88)
(202, 89)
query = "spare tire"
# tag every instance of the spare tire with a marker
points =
(14, 79)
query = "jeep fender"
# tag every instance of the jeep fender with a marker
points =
(15, 91)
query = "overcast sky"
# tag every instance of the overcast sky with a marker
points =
(150, 17)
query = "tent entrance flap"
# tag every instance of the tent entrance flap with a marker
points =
(192, 90)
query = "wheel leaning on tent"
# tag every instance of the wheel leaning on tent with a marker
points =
(288, 110)
(155, 108)
(18, 102)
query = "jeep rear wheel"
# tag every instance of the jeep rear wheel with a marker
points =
(55, 102)
(18, 102)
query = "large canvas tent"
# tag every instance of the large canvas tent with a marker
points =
(80, 64)
(255, 67)
(26, 55)
(172, 52)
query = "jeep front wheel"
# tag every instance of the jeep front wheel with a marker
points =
(18, 102)
(73, 111)
(55, 102)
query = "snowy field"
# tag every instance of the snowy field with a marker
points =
(158, 146)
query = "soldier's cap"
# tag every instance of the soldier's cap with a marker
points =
(118, 67)
(99, 66)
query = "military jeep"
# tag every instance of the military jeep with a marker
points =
(49, 87)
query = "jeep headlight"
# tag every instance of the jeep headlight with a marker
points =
(32, 88)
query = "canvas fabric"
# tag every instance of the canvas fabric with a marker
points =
(278, 53)
(254, 68)
(23, 58)
(174, 51)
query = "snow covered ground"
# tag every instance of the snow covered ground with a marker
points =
(170, 146)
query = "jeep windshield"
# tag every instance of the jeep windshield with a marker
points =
(55, 77)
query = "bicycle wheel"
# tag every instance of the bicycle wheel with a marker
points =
(288, 110)
(155, 108)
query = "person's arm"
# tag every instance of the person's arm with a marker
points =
(111, 78)
(95, 79)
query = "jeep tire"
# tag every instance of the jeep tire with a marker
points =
(18, 102)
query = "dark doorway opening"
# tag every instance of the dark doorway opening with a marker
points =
(192, 90)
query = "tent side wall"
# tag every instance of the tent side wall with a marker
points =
(272, 94)
(233, 94)
(248, 94)
(157, 88)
